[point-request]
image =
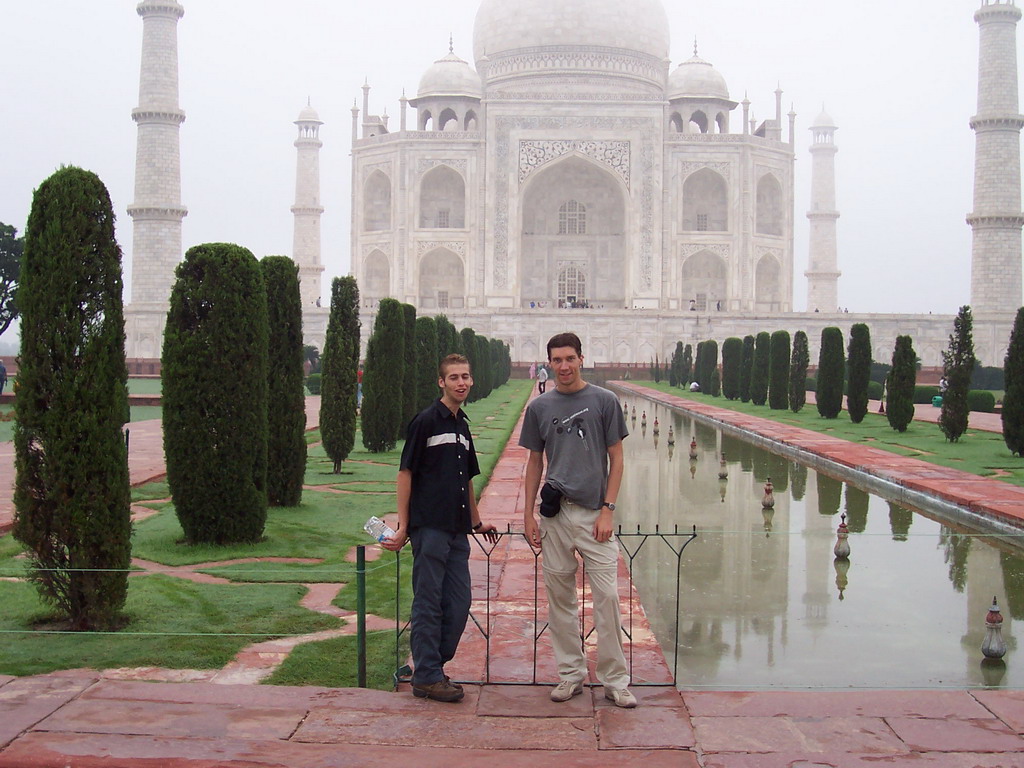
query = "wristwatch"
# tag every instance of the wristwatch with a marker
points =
(609, 505)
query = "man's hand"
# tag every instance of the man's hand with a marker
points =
(532, 530)
(603, 526)
(397, 541)
(488, 531)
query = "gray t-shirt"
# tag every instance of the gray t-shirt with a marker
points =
(574, 431)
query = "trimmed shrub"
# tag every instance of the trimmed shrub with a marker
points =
(286, 396)
(1013, 399)
(426, 362)
(859, 372)
(831, 372)
(732, 358)
(215, 395)
(778, 373)
(981, 401)
(875, 390)
(383, 377)
(71, 492)
(798, 372)
(985, 377)
(340, 372)
(957, 368)
(313, 383)
(714, 383)
(746, 367)
(759, 371)
(899, 389)
(923, 393)
(811, 384)
(409, 370)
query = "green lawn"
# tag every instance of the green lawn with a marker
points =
(978, 452)
(178, 624)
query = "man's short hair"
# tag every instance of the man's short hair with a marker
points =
(565, 340)
(450, 360)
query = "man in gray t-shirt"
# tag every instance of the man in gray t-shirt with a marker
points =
(579, 428)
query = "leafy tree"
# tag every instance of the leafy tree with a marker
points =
(383, 378)
(746, 367)
(760, 368)
(71, 493)
(798, 372)
(686, 368)
(215, 395)
(831, 373)
(859, 372)
(11, 248)
(957, 368)
(286, 396)
(732, 358)
(778, 374)
(899, 390)
(339, 380)
(409, 379)
(426, 362)
(1013, 399)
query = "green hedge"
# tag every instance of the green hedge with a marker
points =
(981, 400)
(923, 394)
(313, 383)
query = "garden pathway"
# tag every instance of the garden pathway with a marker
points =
(78, 719)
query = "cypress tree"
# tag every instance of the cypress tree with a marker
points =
(71, 493)
(746, 367)
(483, 360)
(732, 358)
(709, 363)
(340, 372)
(698, 366)
(286, 396)
(467, 339)
(831, 373)
(215, 395)
(499, 373)
(957, 367)
(778, 375)
(798, 372)
(859, 372)
(409, 379)
(760, 368)
(899, 390)
(426, 362)
(686, 368)
(1013, 398)
(383, 378)
(676, 366)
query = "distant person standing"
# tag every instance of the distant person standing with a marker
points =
(3, 377)
(542, 378)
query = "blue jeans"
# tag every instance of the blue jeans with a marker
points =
(440, 603)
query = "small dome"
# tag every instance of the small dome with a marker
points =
(824, 120)
(450, 76)
(696, 78)
(308, 115)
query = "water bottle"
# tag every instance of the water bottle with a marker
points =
(378, 529)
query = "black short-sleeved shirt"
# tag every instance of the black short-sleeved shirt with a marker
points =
(439, 452)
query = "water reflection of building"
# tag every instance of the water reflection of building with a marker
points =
(985, 578)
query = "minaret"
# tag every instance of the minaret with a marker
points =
(307, 208)
(822, 263)
(157, 211)
(996, 220)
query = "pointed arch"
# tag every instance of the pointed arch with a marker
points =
(471, 122)
(704, 278)
(445, 120)
(769, 206)
(722, 122)
(442, 280)
(705, 202)
(675, 123)
(768, 285)
(377, 202)
(425, 120)
(442, 199)
(698, 122)
(376, 276)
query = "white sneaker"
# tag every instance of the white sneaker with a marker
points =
(566, 689)
(621, 696)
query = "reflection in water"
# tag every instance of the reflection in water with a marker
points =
(763, 600)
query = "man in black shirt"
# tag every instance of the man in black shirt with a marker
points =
(436, 511)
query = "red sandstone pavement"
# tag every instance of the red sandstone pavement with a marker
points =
(78, 719)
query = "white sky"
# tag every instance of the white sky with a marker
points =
(898, 76)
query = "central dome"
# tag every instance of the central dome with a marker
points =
(504, 26)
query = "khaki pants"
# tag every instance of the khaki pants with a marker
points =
(568, 532)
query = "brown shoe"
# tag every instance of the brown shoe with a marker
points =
(452, 683)
(442, 690)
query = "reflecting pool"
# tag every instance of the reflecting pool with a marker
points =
(763, 601)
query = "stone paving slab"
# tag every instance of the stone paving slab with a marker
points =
(656, 728)
(961, 735)
(932, 704)
(1008, 706)
(27, 701)
(821, 735)
(838, 760)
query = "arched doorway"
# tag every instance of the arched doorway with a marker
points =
(704, 280)
(442, 283)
